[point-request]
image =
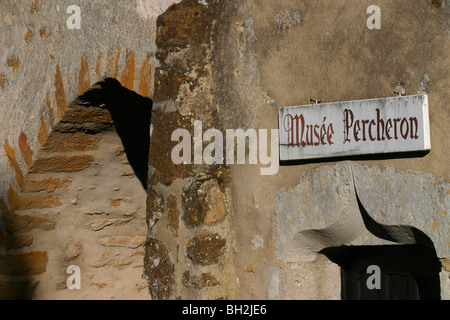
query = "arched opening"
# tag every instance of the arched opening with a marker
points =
(407, 272)
(83, 203)
(405, 255)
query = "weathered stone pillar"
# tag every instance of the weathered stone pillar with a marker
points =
(189, 251)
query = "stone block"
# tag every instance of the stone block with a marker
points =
(122, 241)
(184, 24)
(22, 223)
(13, 163)
(17, 290)
(203, 280)
(173, 214)
(63, 142)
(193, 200)
(203, 203)
(155, 208)
(119, 201)
(205, 249)
(48, 184)
(25, 149)
(26, 202)
(78, 114)
(159, 270)
(27, 264)
(18, 241)
(160, 153)
(100, 224)
(62, 164)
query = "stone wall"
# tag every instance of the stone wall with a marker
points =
(220, 231)
(68, 195)
(232, 65)
(324, 51)
(190, 255)
(90, 215)
(113, 41)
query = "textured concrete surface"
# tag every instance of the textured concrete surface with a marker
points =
(329, 56)
(319, 280)
(354, 205)
(403, 207)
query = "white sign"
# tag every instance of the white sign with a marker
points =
(361, 127)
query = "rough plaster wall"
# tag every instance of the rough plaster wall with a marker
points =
(318, 280)
(391, 198)
(399, 207)
(327, 54)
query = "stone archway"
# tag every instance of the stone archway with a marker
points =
(364, 207)
(83, 203)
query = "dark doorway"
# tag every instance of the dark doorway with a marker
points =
(407, 272)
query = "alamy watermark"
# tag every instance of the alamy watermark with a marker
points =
(74, 21)
(74, 281)
(374, 280)
(374, 21)
(235, 139)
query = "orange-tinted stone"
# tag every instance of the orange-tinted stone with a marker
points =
(27, 264)
(63, 142)
(48, 184)
(127, 77)
(87, 114)
(43, 33)
(26, 202)
(84, 80)
(27, 152)
(29, 36)
(43, 131)
(183, 24)
(62, 164)
(18, 241)
(160, 153)
(2, 80)
(145, 78)
(60, 94)
(118, 201)
(34, 6)
(48, 102)
(11, 155)
(15, 223)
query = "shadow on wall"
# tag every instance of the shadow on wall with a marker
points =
(407, 271)
(131, 114)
